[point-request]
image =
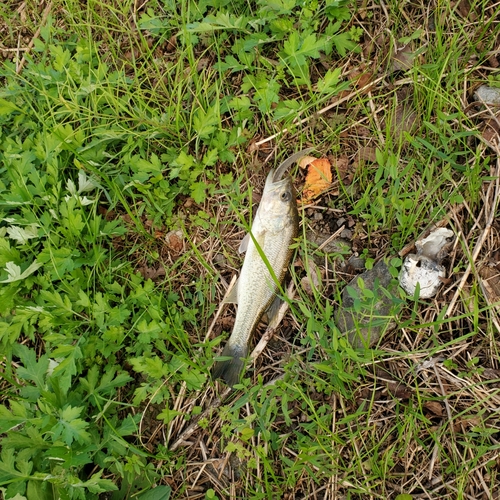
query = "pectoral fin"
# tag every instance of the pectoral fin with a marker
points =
(260, 239)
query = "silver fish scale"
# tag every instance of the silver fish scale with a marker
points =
(256, 287)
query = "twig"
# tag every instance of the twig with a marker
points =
(432, 463)
(482, 238)
(483, 285)
(221, 307)
(373, 109)
(331, 238)
(194, 426)
(37, 34)
(272, 327)
(445, 396)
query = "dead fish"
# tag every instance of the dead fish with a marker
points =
(275, 226)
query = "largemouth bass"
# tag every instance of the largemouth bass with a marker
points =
(275, 225)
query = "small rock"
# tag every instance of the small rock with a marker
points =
(365, 316)
(338, 245)
(219, 259)
(318, 216)
(311, 282)
(356, 262)
(488, 95)
(347, 234)
(334, 248)
(175, 241)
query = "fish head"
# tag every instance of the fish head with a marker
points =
(278, 206)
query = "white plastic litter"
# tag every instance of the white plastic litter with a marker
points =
(424, 268)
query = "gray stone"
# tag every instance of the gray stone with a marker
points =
(488, 95)
(357, 262)
(347, 234)
(367, 311)
(338, 245)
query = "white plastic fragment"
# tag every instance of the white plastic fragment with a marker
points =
(424, 268)
(437, 245)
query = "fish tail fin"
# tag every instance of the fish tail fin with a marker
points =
(230, 369)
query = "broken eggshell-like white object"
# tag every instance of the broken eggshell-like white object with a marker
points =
(424, 268)
(418, 269)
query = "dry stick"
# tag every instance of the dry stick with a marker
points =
(490, 111)
(494, 307)
(221, 307)
(403, 81)
(381, 137)
(323, 110)
(481, 240)
(37, 34)
(445, 396)
(194, 426)
(272, 327)
(331, 238)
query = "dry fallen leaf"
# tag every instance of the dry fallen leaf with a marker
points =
(493, 61)
(312, 281)
(342, 167)
(490, 277)
(151, 272)
(318, 178)
(364, 80)
(491, 130)
(435, 407)
(175, 241)
(402, 60)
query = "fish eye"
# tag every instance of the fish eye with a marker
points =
(285, 196)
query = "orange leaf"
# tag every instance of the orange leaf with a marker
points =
(318, 179)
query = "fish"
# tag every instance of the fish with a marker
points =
(275, 226)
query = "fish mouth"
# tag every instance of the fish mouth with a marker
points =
(278, 174)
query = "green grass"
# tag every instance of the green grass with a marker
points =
(129, 121)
